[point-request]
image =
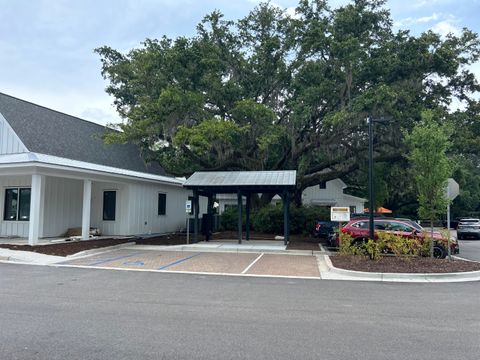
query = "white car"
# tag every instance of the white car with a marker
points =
(468, 228)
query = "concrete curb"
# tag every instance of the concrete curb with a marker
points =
(28, 257)
(334, 273)
(31, 257)
(98, 250)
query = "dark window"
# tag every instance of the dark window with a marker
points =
(395, 226)
(322, 185)
(353, 209)
(11, 201)
(162, 204)
(381, 225)
(17, 204)
(109, 205)
(24, 205)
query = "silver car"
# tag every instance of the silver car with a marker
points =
(468, 228)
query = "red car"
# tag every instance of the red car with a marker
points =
(359, 230)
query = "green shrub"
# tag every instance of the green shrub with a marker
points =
(347, 246)
(229, 219)
(373, 248)
(269, 219)
(397, 245)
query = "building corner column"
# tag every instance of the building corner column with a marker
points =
(86, 208)
(35, 209)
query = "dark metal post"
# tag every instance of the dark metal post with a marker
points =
(208, 231)
(247, 220)
(286, 217)
(371, 198)
(196, 211)
(240, 205)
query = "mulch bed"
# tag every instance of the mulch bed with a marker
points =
(391, 264)
(67, 248)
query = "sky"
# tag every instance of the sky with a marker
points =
(46, 46)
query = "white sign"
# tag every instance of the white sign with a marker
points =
(452, 189)
(340, 214)
(188, 206)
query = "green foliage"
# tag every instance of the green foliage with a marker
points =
(270, 91)
(373, 248)
(269, 219)
(397, 245)
(229, 219)
(431, 167)
(385, 243)
(347, 247)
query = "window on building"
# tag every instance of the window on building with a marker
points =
(109, 205)
(353, 209)
(17, 204)
(162, 204)
(322, 185)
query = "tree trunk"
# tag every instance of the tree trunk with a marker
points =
(297, 198)
(264, 200)
(431, 238)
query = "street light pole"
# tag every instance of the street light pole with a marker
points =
(371, 200)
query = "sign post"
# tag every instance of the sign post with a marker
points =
(453, 190)
(188, 210)
(340, 214)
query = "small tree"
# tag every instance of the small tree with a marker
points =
(428, 144)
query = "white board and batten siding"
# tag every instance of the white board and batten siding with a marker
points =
(9, 141)
(119, 226)
(143, 209)
(62, 205)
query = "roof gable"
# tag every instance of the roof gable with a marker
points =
(50, 132)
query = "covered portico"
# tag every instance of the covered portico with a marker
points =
(244, 184)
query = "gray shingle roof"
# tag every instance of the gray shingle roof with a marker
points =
(242, 178)
(50, 132)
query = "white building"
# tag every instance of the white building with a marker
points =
(329, 193)
(56, 173)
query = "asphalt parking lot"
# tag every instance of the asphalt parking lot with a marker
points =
(470, 249)
(253, 264)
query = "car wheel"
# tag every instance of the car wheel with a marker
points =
(439, 252)
(460, 237)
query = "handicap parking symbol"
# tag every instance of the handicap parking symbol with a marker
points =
(134, 263)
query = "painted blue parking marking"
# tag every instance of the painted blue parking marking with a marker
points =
(134, 263)
(112, 259)
(178, 261)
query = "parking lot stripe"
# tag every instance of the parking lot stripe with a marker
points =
(178, 261)
(103, 261)
(253, 263)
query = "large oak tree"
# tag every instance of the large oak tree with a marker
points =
(271, 91)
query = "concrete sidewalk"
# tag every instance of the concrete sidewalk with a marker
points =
(256, 246)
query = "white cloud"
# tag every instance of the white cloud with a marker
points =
(420, 20)
(446, 27)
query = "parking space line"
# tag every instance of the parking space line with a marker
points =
(253, 263)
(103, 261)
(178, 261)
